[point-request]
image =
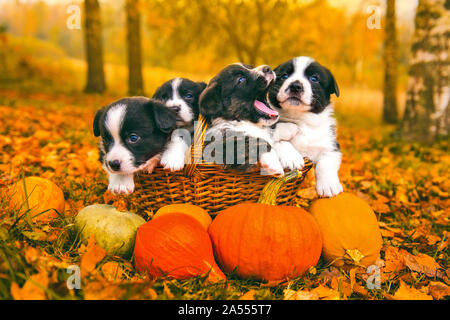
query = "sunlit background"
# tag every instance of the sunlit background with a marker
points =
(197, 38)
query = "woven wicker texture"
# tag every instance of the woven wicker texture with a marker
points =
(207, 185)
(215, 191)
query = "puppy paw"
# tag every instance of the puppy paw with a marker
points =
(172, 161)
(285, 131)
(289, 157)
(151, 164)
(271, 165)
(293, 162)
(328, 187)
(121, 184)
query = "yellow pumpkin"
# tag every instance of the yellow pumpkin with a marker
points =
(42, 197)
(199, 214)
(349, 229)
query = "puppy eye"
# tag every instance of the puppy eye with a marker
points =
(285, 76)
(133, 138)
(188, 96)
(241, 80)
(314, 78)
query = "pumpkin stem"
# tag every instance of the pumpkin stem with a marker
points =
(354, 255)
(270, 192)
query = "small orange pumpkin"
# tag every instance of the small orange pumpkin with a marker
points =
(196, 212)
(264, 241)
(43, 198)
(350, 230)
(175, 245)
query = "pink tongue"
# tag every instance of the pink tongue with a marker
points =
(264, 109)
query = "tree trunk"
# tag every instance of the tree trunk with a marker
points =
(135, 80)
(94, 51)
(390, 65)
(427, 115)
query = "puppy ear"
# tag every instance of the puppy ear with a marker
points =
(210, 102)
(333, 86)
(97, 118)
(277, 69)
(202, 85)
(165, 119)
(158, 94)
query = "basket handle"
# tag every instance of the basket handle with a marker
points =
(195, 153)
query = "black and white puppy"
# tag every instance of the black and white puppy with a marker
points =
(234, 103)
(133, 134)
(180, 95)
(301, 95)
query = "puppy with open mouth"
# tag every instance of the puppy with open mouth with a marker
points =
(301, 94)
(234, 104)
(133, 135)
(180, 95)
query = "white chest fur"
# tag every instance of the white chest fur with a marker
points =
(250, 129)
(315, 133)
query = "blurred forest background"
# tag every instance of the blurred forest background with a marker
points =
(197, 38)
(132, 46)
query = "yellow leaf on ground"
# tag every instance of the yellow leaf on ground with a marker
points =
(352, 278)
(112, 271)
(325, 293)
(152, 293)
(422, 263)
(289, 294)
(300, 295)
(168, 292)
(405, 292)
(33, 289)
(249, 295)
(32, 255)
(93, 255)
(360, 290)
(439, 290)
(393, 260)
(308, 193)
(96, 290)
(432, 239)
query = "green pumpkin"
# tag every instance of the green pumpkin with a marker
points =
(113, 230)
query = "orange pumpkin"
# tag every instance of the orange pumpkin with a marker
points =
(196, 212)
(350, 230)
(43, 198)
(264, 241)
(175, 245)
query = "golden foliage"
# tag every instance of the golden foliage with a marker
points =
(50, 136)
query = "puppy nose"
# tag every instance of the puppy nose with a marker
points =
(114, 165)
(296, 87)
(175, 108)
(266, 69)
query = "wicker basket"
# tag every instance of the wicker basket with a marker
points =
(208, 185)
